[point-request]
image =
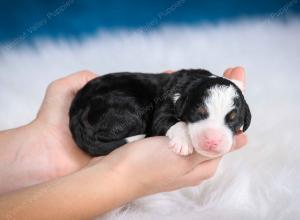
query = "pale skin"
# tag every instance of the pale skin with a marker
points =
(43, 152)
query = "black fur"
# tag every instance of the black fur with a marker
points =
(115, 106)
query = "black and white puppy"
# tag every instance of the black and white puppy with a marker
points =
(194, 108)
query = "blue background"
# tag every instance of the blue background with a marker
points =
(82, 17)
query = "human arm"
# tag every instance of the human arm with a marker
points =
(43, 149)
(126, 174)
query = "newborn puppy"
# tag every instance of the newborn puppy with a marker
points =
(194, 108)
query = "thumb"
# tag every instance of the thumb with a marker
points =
(74, 82)
(59, 95)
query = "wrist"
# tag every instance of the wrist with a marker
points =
(102, 189)
(14, 159)
(13, 141)
(86, 194)
(125, 186)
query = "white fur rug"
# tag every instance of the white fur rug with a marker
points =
(261, 181)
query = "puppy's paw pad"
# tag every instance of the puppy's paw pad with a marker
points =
(180, 141)
(181, 146)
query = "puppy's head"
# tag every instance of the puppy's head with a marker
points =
(214, 110)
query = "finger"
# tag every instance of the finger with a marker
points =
(59, 95)
(227, 72)
(237, 73)
(70, 84)
(201, 172)
(95, 160)
(169, 71)
(196, 158)
(239, 141)
(77, 80)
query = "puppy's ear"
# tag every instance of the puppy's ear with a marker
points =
(247, 117)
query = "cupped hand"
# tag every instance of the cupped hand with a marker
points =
(48, 150)
(52, 126)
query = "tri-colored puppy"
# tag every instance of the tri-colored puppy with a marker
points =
(194, 108)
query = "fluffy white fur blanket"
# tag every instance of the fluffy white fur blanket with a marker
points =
(261, 181)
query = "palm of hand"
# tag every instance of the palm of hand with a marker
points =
(61, 155)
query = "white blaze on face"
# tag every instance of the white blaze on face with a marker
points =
(211, 137)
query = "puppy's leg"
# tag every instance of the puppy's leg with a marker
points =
(180, 139)
(165, 123)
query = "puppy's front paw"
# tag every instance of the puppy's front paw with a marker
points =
(181, 146)
(180, 141)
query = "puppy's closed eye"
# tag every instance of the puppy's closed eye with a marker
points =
(231, 116)
(202, 110)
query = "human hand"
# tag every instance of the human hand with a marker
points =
(137, 169)
(52, 124)
(43, 149)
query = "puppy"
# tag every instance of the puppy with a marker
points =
(194, 108)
